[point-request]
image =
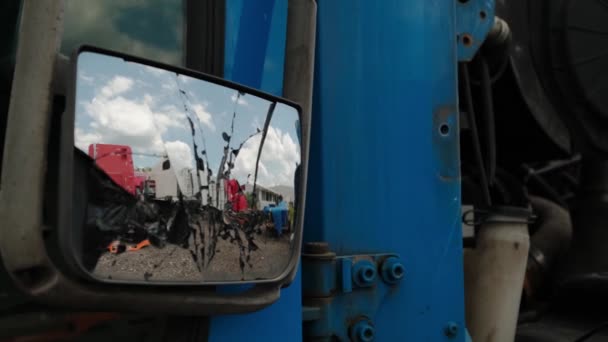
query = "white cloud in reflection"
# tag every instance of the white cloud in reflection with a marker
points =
(118, 120)
(241, 102)
(117, 85)
(204, 116)
(280, 154)
(84, 77)
(180, 155)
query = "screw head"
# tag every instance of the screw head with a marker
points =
(392, 270)
(451, 330)
(364, 273)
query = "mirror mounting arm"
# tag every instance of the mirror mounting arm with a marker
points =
(28, 122)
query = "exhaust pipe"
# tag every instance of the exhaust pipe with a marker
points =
(494, 274)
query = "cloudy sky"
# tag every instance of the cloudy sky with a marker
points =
(148, 109)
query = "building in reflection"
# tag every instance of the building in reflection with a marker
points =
(263, 197)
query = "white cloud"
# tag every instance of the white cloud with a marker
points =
(83, 76)
(185, 79)
(113, 119)
(204, 116)
(82, 139)
(180, 155)
(278, 161)
(169, 117)
(117, 85)
(241, 102)
(170, 87)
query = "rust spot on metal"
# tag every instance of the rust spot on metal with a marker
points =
(467, 40)
(445, 139)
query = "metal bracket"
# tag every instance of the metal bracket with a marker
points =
(474, 19)
(343, 293)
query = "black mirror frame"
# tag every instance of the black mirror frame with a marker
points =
(57, 279)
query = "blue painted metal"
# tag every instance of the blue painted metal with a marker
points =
(255, 43)
(282, 321)
(474, 19)
(254, 56)
(347, 283)
(382, 175)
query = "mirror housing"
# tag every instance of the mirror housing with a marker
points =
(58, 281)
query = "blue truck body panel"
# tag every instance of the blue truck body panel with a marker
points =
(383, 177)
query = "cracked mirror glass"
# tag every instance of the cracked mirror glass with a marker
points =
(188, 181)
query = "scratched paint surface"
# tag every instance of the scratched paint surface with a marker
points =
(383, 178)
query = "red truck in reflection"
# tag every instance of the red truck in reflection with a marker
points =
(117, 162)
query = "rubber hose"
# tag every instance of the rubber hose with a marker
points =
(554, 234)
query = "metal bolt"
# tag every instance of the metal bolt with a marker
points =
(392, 270)
(362, 331)
(451, 330)
(364, 273)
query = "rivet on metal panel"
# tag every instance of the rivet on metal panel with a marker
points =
(451, 330)
(392, 270)
(364, 273)
(474, 19)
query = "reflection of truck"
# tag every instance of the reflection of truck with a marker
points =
(144, 185)
(167, 185)
(117, 162)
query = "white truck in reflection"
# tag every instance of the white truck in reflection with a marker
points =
(169, 183)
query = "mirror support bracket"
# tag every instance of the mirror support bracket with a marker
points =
(328, 281)
(25, 155)
(299, 80)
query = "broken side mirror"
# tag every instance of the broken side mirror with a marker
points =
(169, 173)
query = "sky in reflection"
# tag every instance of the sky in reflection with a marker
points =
(147, 109)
